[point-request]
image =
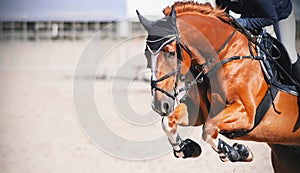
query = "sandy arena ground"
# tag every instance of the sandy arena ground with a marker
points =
(39, 126)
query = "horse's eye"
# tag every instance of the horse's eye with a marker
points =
(169, 54)
(172, 53)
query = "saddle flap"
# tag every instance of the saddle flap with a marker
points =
(282, 65)
(280, 54)
(277, 71)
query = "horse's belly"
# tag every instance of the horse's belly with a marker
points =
(279, 128)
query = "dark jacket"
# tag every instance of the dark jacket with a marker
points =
(258, 13)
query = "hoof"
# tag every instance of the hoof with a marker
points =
(244, 152)
(190, 149)
(229, 155)
(236, 153)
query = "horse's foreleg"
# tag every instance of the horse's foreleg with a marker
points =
(182, 148)
(230, 119)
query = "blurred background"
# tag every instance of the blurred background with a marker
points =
(73, 20)
(41, 43)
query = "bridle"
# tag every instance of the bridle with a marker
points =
(169, 39)
(199, 70)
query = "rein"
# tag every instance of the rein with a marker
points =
(200, 68)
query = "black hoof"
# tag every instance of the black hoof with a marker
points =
(244, 152)
(227, 153)
(189, 149)
(236, 153)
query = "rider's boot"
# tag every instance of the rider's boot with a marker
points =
(296, 73)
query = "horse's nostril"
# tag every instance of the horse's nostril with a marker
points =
(165, 107)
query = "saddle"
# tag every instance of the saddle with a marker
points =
(277, 68)
(276, 63)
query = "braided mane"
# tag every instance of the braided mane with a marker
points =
(191, 6)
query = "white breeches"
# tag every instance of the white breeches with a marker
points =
(286, 33)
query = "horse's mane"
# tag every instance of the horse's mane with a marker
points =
(191, 6)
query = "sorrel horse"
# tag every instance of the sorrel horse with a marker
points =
(220, 85)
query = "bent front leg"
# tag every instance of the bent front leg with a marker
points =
(232, 118)
(182, 148)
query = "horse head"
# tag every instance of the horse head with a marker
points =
(167, 62)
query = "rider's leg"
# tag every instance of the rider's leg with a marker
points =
(296, 71)
(286, 33)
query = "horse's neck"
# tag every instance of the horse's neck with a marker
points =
(205, 34)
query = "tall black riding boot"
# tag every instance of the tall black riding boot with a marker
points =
(296, 72)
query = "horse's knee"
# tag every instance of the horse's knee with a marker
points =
(210, 131)
(165, 125)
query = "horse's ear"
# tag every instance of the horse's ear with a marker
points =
(145, 22)
(173, 15)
